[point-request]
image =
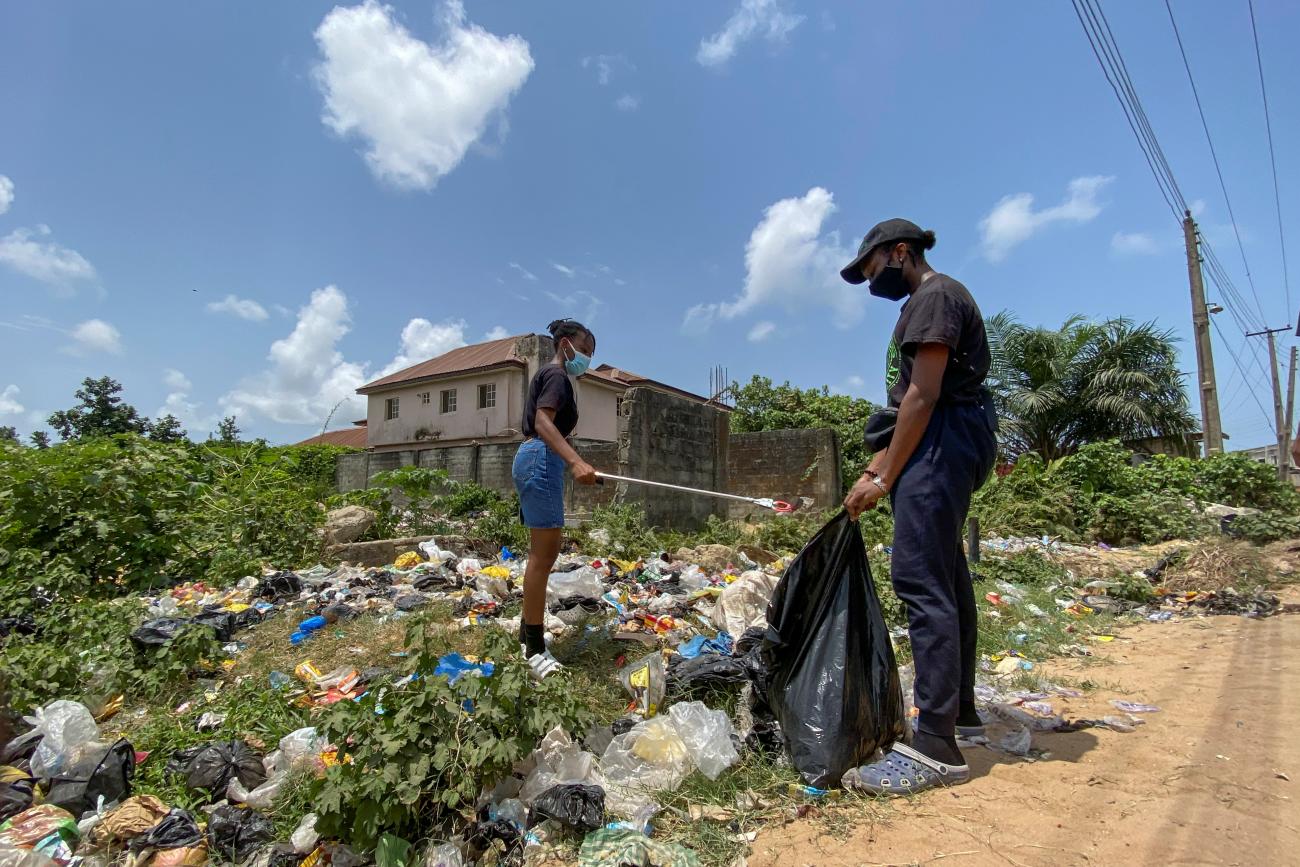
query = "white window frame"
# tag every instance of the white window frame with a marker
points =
(487, 395)
(447, 401)
(425, 398)
(392, 408)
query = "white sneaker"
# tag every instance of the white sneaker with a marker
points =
(544, 664)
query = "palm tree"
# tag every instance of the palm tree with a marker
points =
(1083, 382)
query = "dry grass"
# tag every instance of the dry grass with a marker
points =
(1218, 564)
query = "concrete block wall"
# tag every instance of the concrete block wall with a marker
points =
(666, 438)
(579, 500)
(784, 464)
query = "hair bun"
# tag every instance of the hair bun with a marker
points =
(927, 239)
(555, 326)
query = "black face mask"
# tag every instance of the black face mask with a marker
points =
(889, 283)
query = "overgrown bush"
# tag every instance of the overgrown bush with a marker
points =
(1024, 568)
(629, 537)
(415, 756)
(1264, 527)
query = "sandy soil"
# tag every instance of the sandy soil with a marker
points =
(1203, 782)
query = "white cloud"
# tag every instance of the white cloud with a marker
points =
(244, 308)
(789, 262)
(527, 275)
(9, 404)
(753, 19)
(6, 193)
(1013, 220)
(95, 335)
(1134, 243)
(176, 381)
(581, 304)
(563, 269)
(605, 64)
(497, 333)
(418, 106)
(45, 261)
(627, 102)
(1197, 207)
(761, 331)
(422, 340)
(853, 384)
(307, 375)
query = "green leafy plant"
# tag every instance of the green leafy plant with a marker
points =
(1264, 527)
(629, 536)
(416, 755)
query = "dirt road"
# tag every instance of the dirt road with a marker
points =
(1203, 782)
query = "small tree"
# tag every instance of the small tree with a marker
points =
(167, 430)
(227, 431)
(100, 413)
(8, 434)
(40, 439)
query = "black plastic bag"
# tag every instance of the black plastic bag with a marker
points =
(18, 752)
(97, 771)
(176, 830)
(339, 855)
(410, 601)
(15, 797)
(179, 761)
(750, 639)
(214, 766)
(278, 586)
(236, 833)
(277, 855)
(19, 624)
(832, 680)
(575, 805)
(222, 622)
(707, 670)
(157, 632)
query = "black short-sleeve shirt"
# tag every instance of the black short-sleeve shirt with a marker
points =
(940, 311)
(551, 389)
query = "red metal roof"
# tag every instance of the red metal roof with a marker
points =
(353, 437)
(493, 353)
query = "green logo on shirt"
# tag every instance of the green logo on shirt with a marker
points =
(892, 371)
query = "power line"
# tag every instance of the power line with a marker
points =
(1268, 125)
(1214, 154)
(1241, 370)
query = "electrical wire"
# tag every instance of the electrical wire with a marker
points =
(1268, 125)
(1214, 154)
(1237, 362)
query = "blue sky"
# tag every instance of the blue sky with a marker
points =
(254, 207)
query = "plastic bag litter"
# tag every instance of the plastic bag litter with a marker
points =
(45, 829)
(175, 831)
(18, 752)
(833, 681)
(222, 622)
(446, 855)
(276, 855)
(584, 581)
(1014, 716)
(651, 757)
(260, 798)
(92, 772)
(63, 725)
(645, 680)
(576, 806)
(133, 817)
(300, 749)
(705, 671)
(305, 836)
(278, 585)
(743, 603)
(215, 765)
(1018, 742)
(17, 793)
(469, 566)
(721, 643)
(707, 735)
(435, 554)
(406, 562)
(610, 846)
(157, 632)
(236, 833)
(556, 761)
(24, 858)
(693, 578)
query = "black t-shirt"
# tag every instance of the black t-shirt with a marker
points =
(940, 311)
(551, 389)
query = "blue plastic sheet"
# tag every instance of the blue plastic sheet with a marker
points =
(722, 643)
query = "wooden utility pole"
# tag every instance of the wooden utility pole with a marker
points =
(1283, 459)
(1290, 407)
(1211, 427)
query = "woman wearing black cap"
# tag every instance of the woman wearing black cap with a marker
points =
(934, 446)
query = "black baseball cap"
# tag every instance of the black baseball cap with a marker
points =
(887, 232)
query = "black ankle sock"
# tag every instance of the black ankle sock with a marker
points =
(967, 715)
(941, 749)
(534, 638)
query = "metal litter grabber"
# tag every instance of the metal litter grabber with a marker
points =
(778, 506)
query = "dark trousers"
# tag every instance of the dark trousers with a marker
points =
(930, 501)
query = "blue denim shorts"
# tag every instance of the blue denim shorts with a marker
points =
(539, 479)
